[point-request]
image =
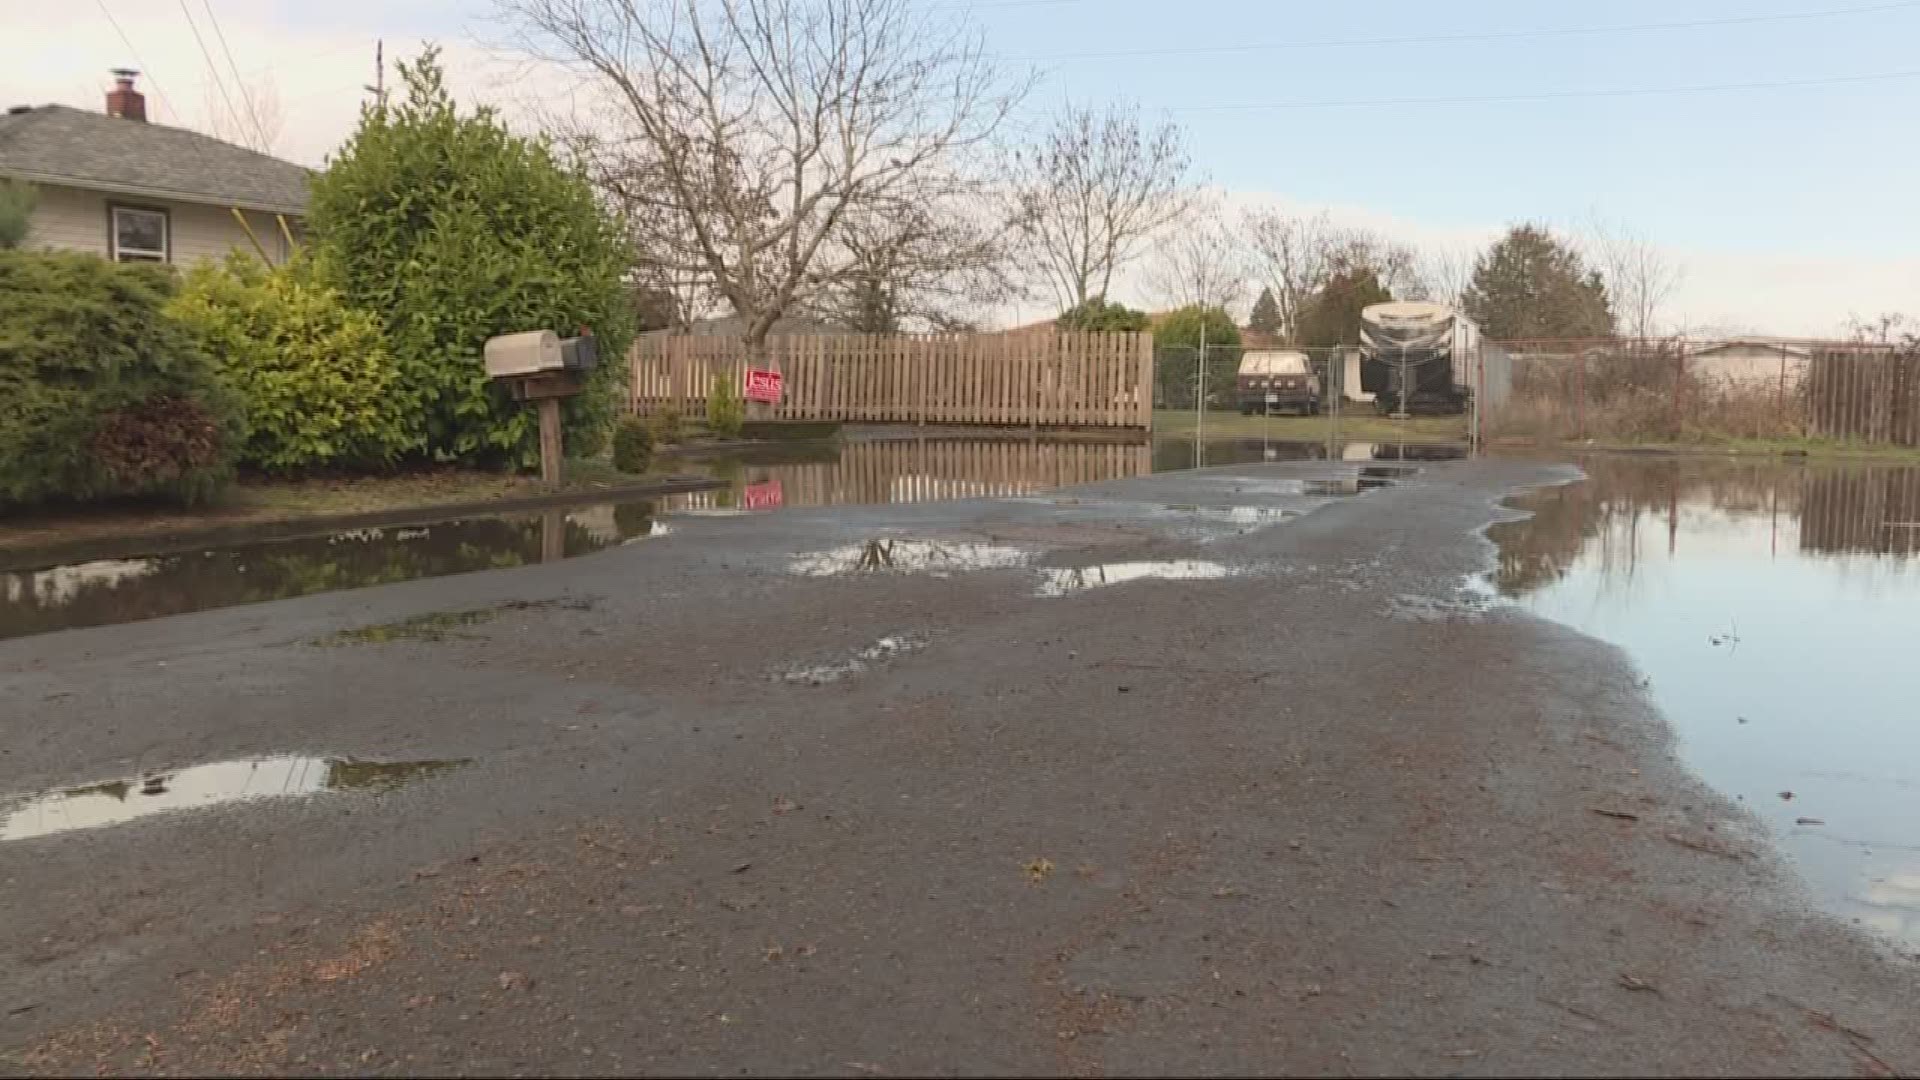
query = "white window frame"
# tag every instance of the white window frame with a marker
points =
(119, 254)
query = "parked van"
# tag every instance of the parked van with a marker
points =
(1277, 380)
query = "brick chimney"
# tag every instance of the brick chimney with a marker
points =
(123, 100)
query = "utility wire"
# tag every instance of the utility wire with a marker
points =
(218, 83)
(1562, 95)
(1486, 35)
(239, 86)
(158, 91)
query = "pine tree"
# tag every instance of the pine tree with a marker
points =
(1266, 314)
(1531, 284)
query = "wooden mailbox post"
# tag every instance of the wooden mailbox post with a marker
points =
(542, 367)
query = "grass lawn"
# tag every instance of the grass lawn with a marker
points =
(1357, 425)
(259, 501)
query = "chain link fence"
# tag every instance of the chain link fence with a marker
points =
(1689, 390)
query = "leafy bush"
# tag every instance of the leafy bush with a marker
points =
(17, 200)
(632, 445)
(317, 382)
(100, 394)
(726, 413)
(452, 230)
(1098, 314)
(666, 426)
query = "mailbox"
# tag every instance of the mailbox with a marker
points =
(580, 353)
(530, 353)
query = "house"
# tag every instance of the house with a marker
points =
(1751, 363)
(132, 191)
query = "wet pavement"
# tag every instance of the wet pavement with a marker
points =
(64, 595)
(1243, 770)
(1774, 611)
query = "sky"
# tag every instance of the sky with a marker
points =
(1789, 207)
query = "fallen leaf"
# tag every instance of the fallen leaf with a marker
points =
(513, 980)
(1711, 847)
(1039, 870)
(784, 805)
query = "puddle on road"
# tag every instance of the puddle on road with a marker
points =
(881, 651)
(936, 557)
(94, 592)
(1774, 610)
(1236, 515)
(116, 802)
(1055, 581)
(127, 590)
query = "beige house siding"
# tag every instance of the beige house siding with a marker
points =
(1750, 366)
(77, 220)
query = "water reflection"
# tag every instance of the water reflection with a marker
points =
(908, 556)
(115, 802)
(1060, 582)
(1810, 570)
(1172, 455)
(126, 590)
(905, 471)
(927, 470)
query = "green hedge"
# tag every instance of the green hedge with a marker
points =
(451, 229)
(101, 395)
(319, 386)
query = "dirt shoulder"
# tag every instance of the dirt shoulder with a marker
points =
(1321, 814)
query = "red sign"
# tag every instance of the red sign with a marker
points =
(765, 495)
(764, 385)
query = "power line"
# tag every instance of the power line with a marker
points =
(259, 129)
(1486, 35)
(158, 91)
(1561, 95)
(208, 57)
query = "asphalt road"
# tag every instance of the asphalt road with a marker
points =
(1312, 808)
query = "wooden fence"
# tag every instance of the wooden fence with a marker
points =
(1865, 395)
(1029, 378)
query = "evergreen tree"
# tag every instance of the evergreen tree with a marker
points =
(1531, 284)
(1266, 314)
(452, 229)
(1331, 316)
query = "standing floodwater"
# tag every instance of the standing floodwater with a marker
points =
(1775, 610)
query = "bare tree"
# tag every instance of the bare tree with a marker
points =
(1445, 273)
(917, 267)
(1290, 257)
(1200, 261)
(247, 115)
(1092, 190)
(743, 135)
(1640, 278)
(1296, 255)
(1885, 328)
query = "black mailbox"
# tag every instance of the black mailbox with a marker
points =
(579, 353)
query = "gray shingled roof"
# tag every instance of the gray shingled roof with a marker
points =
(61, 145)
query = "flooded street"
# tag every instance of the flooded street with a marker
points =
(1212, 771)
(1775, 611)
(65, 595)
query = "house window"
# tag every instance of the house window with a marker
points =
(139, 235)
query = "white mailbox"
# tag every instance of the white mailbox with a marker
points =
(524, 354)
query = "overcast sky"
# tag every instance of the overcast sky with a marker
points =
(1791, 206)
